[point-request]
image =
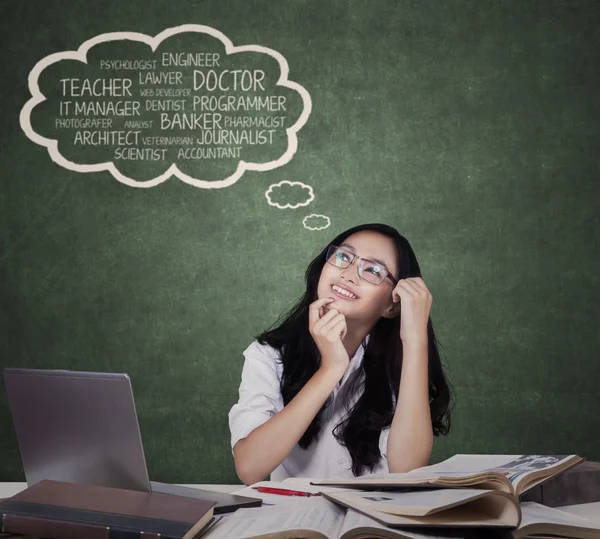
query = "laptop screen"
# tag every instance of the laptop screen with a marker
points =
(79, 427)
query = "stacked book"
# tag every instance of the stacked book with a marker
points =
(61, 510)
(466, 496)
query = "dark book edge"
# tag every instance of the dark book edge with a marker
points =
(209, 526)
(84, 516)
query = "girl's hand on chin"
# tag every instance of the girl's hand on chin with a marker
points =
(328, 330)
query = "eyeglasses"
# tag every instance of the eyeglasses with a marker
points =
(368, 270)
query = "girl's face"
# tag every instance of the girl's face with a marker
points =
(368, 301)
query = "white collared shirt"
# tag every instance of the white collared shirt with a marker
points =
(260, 398)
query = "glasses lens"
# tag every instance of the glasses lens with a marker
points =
(372, 272)
(338, 257)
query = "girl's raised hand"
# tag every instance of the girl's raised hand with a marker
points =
(415, 304)
(327, 330)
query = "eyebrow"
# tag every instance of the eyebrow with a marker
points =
(367, 257)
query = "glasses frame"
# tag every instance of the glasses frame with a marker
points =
(359, 268)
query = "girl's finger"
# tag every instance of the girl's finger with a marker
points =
(337, 330)
(416, 288)
(315, 310)
(326, 328)
(398, 291)
(408, 289)
(419, 282)
(318, 327)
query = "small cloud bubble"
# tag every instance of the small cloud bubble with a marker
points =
(287, 194)
(315, 221)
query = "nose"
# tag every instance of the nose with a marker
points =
(351, 273)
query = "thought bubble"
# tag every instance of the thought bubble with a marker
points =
(185, 103)
(315, 221)
(286, 194)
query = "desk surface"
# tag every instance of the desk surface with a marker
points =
(587, 510)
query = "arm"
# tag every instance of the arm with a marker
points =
(410, 440)
(267, 445)
(265, 448)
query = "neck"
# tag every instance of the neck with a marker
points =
(355, 336)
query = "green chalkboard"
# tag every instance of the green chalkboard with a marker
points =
(132, 241)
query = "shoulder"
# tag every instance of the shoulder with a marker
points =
(262, 351)
(262, 356)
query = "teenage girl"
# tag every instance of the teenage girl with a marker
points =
(350, 381)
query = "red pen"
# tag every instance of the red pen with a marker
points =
(284, 491)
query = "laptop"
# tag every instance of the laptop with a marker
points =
(82, 427)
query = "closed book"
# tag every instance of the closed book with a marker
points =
(60, 510)
(580, 484)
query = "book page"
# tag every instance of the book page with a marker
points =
(315, 514)
(535, 513)
(412, 503)
(517, 468)
(355, 520)
(462, 464)
(520, 470)
(457, 465)
(463, 516)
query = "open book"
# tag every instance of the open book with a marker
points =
(464, 508)
(514, 474)
(317, 518)
(541, 521)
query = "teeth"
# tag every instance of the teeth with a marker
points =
(342, 291)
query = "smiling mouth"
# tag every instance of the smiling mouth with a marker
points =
(342, 293)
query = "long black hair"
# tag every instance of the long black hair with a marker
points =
(359, 432)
